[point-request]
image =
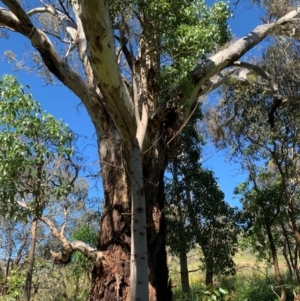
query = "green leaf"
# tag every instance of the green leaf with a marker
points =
(223, 291)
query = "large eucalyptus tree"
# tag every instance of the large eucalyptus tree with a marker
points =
(143, 69)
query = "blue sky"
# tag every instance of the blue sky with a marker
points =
(63, 104)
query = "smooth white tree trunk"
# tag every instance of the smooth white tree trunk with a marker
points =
(139, 278)
(139, 256)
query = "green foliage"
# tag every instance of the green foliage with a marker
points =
(88, 235)
(49, 283)
(197, 212)
(180, 33)
(195, 31)
(264, 138)
(203, 293)
(13, 285)
(31, 141)
(256, 285)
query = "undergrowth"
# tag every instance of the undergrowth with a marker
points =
(253, 285)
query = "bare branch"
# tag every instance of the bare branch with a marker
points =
(68, 248)
(17, 10)
(64, 257)
(216, 81)
(40, 10)
(256, 69)
(229, 55)
(64, 225)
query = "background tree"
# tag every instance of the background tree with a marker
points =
(259, 130)
(262, 204)
(197, 212)
(36, 168)
(129, 53)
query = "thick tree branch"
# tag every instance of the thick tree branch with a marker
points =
(68, 248)
(261, 72)
(23, 18)
(82, 48)
(229, 55)
(7, 17)
(256, 69)
(41, 10)
(93, 101)
(65, 256)
(216, 81)
(98, 30)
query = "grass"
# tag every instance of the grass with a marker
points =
(254, 281)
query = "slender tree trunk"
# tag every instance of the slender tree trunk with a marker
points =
(275, 262)
(184, 273)
(209, 272)
(8, 264)
(288, 262)
(291, 211)
(291, 261)
(29, 274)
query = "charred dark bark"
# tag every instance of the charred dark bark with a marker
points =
(110, 281)
(154, 163)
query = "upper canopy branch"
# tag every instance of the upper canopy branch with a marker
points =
(256, 69)
(55, 63)
(261, 72)
(232, 53)
(40, 10)
(17, 10)
(98, 30)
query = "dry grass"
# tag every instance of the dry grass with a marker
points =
(246, 264)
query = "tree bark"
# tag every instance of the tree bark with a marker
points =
(184, 273)
(139, 256)
(291, 261)
(287, 260)
(209, 273)
(154, 163)
(29, 274)
(275, 261)
(209, 265)
(110, 281)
